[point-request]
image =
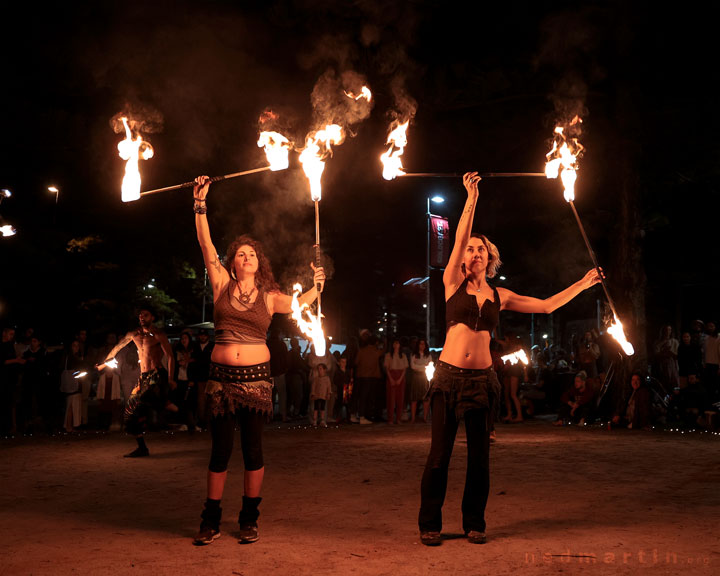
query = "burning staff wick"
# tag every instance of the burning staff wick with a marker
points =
(308, 323)
(516, 357)
(132, 150)
(430, 370)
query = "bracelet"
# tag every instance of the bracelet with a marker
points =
(200, 208)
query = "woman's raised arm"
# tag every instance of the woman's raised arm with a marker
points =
(216, 272)
(453, 276)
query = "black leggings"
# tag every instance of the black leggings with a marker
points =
(222, 428)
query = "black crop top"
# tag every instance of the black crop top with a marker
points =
(462, 308)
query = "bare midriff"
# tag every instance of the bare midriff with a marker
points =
(240, 354)
(466, 348)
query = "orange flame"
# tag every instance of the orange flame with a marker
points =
(430, 370)
(318, 146)
(397, 139)
(616, 331)
(562, 160)
(7, 230)
(132, 150)
(112, 363)
(364, 93)
(516, 357)
(277, 149)
(308, 323)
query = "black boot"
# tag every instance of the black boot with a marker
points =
(210, 525)
(248, 520)
(141, 451)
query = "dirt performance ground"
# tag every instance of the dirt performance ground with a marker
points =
(344, 500)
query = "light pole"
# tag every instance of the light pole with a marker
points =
(436, 200)
(55, 191)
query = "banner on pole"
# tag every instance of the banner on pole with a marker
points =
(439, 241)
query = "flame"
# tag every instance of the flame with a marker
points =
(112, 363)
(77, 375)
(364, 93)
(430, 370)
(277, 148)
(308, 323)
(318, 147)
(616, 331)
(392, 163)
(562, 160)
(515, 357)
(7, 230)
(132, 150)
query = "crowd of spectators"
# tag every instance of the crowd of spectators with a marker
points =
(56, 389)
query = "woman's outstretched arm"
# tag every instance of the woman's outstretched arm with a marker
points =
(519, 303)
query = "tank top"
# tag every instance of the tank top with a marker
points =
(237, 324)
(462, 308)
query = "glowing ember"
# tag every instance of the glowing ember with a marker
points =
(112, 363)
(132, 150)
(318, 147)
(430, 370)
(616, 331)
(7, 230)
(397, 139)
(277, 148)
(562, 160)
(308, 323)
(364, 93)
(516, 357)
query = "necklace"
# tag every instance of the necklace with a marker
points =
(476, 289)
(244, 297)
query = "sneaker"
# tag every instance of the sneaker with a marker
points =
(323, 424)
(248, 533)
(354, 419)
(206, 535)
(476, 537)
(364, 420)
(430, 538)
(183, 428)
(138, 453)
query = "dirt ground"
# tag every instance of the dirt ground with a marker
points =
(345, 501)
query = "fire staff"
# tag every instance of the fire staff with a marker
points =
(464, 384)
(151, 392)
(239, 388)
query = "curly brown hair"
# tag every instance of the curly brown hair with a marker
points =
(264, 277)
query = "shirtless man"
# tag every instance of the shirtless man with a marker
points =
(152, 388)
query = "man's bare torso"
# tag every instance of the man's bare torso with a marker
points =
(149, 349)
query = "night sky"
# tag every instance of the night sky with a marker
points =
(485, 84)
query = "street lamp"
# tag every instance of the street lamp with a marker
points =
(55, 191)
(437, 200)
